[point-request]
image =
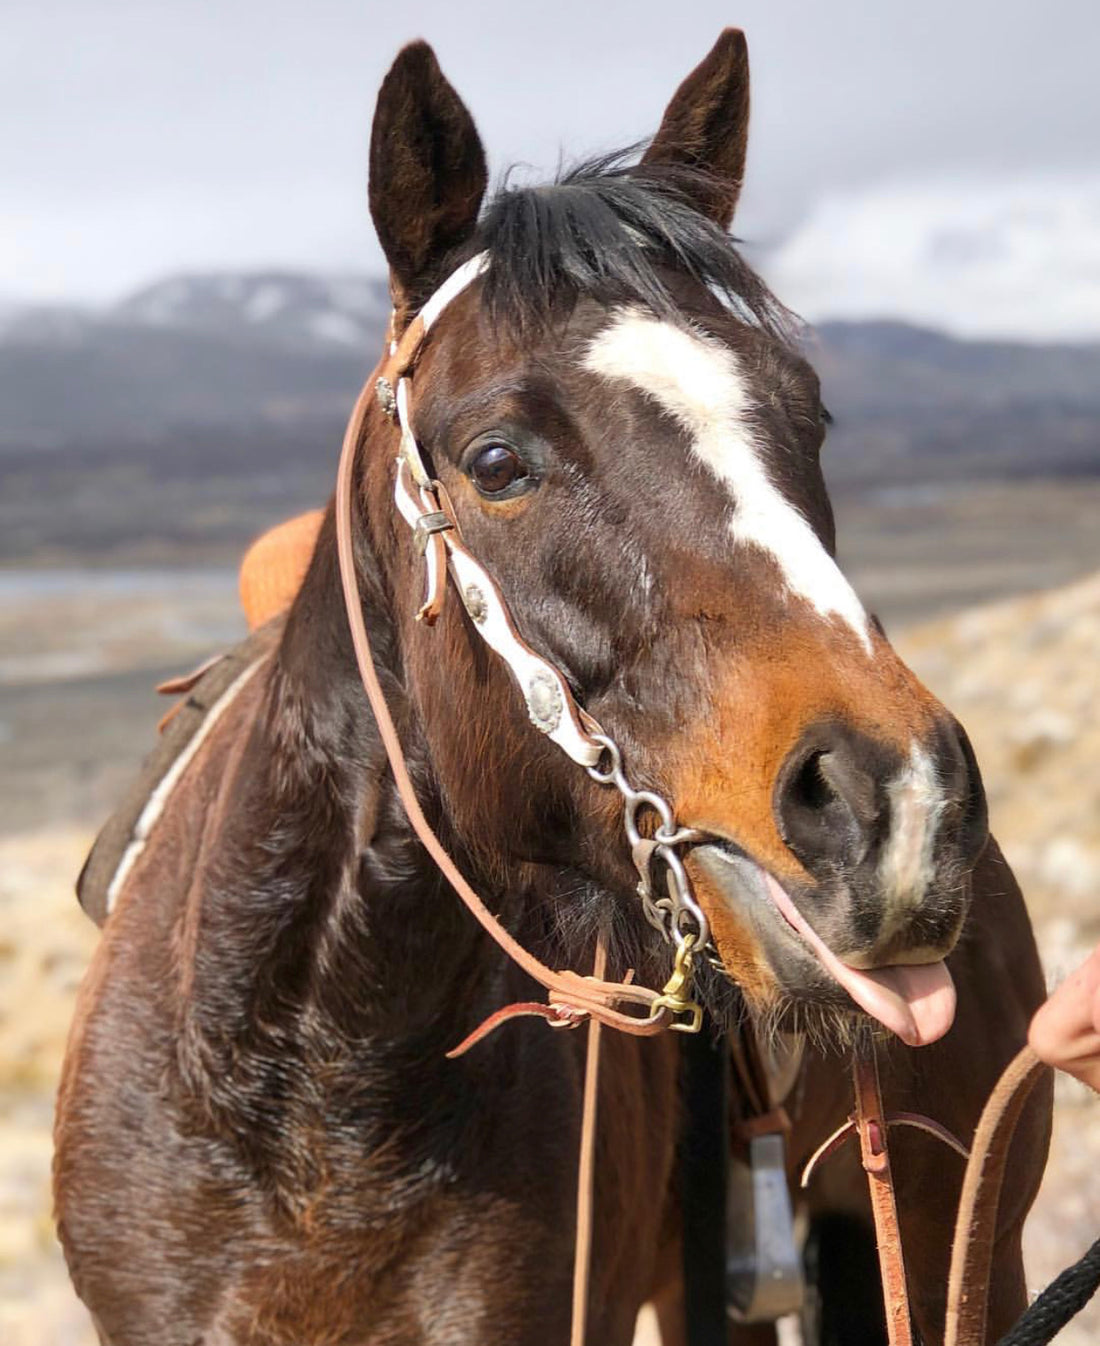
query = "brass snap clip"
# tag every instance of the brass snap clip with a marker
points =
(675, 994)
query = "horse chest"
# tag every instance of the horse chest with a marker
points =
(429, 1206)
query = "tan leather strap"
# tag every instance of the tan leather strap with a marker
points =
(586, 1169)
(875, 1154)
(976, 1223)
(749, 1073)
(832, 1143)
(756, 1111)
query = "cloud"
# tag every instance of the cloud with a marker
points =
(101, 249)
(1015, 258)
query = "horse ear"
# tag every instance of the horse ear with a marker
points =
(427, 173)
(706, 127)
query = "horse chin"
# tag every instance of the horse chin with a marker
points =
(795, 977)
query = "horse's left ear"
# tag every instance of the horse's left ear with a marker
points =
(706, 126)
(427, 173)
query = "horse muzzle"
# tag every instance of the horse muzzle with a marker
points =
(871, 889)
(914, 999)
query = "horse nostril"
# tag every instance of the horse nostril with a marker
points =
(884, 833)
(826, 803)
(809, 789)
(844, 800)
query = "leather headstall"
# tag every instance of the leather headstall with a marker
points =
(424, 505)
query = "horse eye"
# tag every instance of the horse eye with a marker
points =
(495, 468)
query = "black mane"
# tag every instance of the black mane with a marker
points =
(606, 229)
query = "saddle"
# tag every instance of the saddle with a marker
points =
(271, 574)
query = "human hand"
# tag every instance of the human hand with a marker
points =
(1065, 1031)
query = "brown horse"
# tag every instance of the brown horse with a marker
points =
(260, 1138)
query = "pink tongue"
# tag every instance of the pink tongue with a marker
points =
(915, 1002)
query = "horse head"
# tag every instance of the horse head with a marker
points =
(630, 441)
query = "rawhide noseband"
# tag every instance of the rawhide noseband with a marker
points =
(424, 505)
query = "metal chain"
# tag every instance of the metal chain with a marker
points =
(675, 913)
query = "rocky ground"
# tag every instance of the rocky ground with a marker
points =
(1021, 675)
(44, 946)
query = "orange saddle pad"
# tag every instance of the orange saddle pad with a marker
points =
(275, 565)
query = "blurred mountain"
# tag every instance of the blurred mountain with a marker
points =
(206, 406)
(917, 406)
(887, 367)
(189, 351)
(283, 308)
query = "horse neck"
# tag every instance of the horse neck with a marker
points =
(323, 907)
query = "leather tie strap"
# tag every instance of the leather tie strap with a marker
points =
(875, 1155)
(586, 1172)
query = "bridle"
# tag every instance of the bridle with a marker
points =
(423, 503)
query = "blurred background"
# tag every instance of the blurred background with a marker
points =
(190, 295)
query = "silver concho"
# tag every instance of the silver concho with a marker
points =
(386, 400)
(544, 703)
(475, 603)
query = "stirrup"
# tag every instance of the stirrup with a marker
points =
(763, 1263)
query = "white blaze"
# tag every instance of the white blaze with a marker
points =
(916, 802)
(699, 382)
(906, 867)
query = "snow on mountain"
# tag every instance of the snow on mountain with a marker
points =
(287, 309)
(45, 324)
(347, 310)
(208, 349)
(1015, 259)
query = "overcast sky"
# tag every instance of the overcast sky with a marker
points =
(144, 137)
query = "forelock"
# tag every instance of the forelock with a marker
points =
(614, 232)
